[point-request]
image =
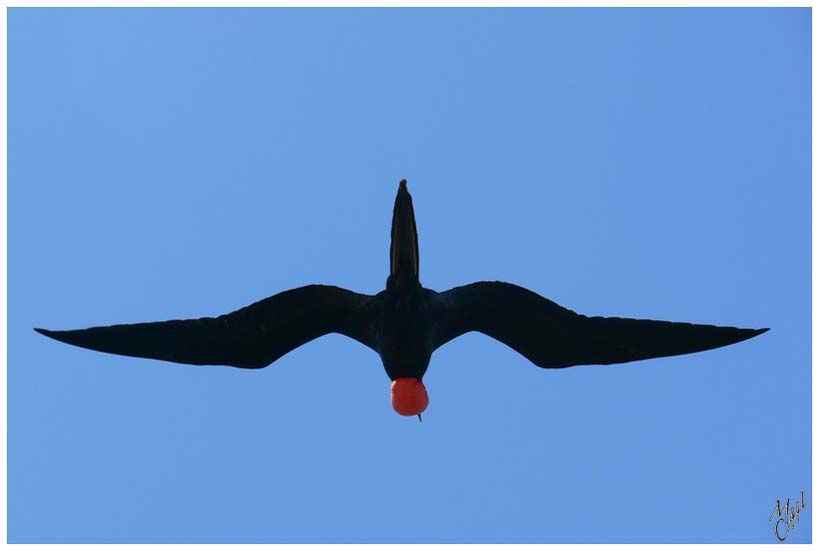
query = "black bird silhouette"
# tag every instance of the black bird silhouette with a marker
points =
(404, 324)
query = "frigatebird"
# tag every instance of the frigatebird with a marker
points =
(404, 324)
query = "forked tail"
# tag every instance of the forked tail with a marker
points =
(404, 242)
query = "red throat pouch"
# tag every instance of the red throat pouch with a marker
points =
(408, 395)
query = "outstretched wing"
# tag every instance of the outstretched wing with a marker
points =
(554, 337)
(252, 337)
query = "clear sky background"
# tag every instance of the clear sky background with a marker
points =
(174, 163)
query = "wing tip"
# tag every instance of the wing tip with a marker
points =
(750, 333)
(52, 334)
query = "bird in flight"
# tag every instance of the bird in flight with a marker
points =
(404, 324)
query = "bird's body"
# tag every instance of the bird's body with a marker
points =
(406, 332)
(404, 324)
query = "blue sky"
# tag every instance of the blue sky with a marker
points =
(172, 163)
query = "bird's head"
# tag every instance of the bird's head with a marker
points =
(408, 395)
